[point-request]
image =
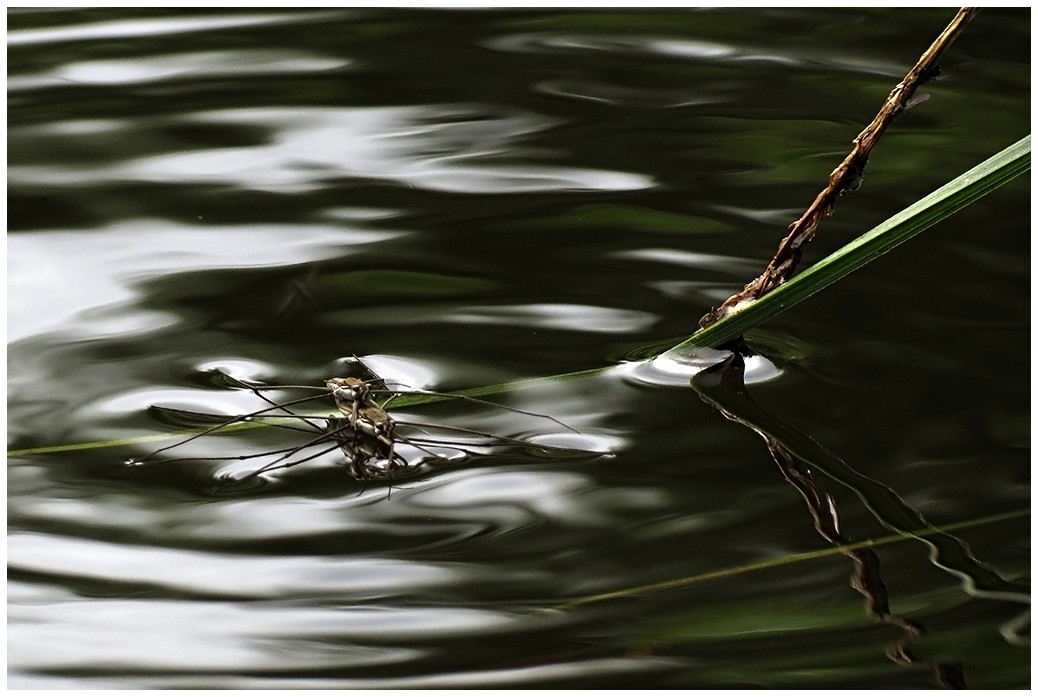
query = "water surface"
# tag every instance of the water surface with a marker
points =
(475, 198)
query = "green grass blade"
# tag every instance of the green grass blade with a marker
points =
(940, 204)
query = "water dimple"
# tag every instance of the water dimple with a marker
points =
(672, 370)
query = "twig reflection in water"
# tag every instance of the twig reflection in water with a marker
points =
(723, 387)
(365, 432)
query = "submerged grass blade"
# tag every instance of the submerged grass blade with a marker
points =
(120, 442)
(937, 206)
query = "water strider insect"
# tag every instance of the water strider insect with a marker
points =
(364, 432)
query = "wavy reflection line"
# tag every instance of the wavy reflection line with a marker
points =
(947, 552)
(722, 387)
(868, 577)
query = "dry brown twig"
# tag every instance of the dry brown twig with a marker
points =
(846, 177)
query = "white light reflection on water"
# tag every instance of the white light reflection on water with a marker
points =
(444, 148)
(164, 637)
(584, 318)
(398, 371)
(43, 266)
(612, 43)
(672, 370)
(209, 573)
(507, 501)
(199, 65)
(227, 644)
(140, 27)
(692, 260)
(791, 56)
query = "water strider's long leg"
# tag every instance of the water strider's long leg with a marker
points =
(485, 402)
(273, 404)
(322, 436)
(376, 378)
(500, 439)
(378, 424)
(242, 418)
(224, 422)
(284, 465)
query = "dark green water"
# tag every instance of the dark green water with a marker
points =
(470, 199)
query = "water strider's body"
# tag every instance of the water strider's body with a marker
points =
(363, 415)
(349, 394)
